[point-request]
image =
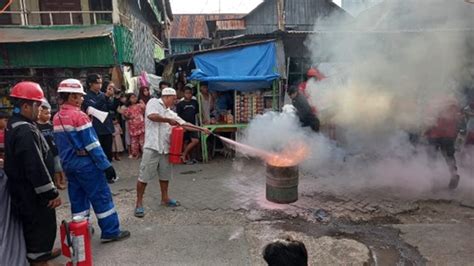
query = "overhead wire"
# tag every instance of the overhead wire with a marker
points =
(204, 6)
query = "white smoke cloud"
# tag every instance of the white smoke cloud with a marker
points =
(401, 62)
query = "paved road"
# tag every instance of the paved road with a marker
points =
(225, 220)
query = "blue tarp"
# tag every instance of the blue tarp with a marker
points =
(242, 68)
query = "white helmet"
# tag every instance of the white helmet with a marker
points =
(71, 86)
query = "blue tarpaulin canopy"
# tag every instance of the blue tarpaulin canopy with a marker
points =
(242, 68)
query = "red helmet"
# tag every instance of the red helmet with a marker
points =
(27, 90)
(312, 73)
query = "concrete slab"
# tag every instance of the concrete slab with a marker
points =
(155, 244)
(441, 244)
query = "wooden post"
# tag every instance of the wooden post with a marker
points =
(281, 15)
(23, 13)
(115, 12)
(167, 30)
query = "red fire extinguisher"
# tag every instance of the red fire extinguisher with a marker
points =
(176, 145)
(76, 241)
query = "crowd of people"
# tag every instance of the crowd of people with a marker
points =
(38, 155)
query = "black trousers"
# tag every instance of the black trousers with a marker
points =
(106, 141)
(39, 231)
(446, 147)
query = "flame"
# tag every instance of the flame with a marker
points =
(290, 156)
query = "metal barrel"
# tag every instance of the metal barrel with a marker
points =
(282, 184)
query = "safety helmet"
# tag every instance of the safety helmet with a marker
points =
(312, 73)
(27, 90)
(71, 86)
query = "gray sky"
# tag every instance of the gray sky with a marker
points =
(212, 6)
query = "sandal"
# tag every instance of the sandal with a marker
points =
(139, 212)
(189, 162)
(171, 203)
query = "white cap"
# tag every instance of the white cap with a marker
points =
(189, 85)
(71, 86)
(168, 92)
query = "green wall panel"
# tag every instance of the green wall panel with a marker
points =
(124, 43)
(68, 53)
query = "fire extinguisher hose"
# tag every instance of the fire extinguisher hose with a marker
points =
(68, 234)
(69, 241)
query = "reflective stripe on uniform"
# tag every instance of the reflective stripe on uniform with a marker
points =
(69, 128)
(44, 188)
(19, 123)
(33, 256)
(87, 125)
(83, 213)
(105, 214)
(92, 146)
(66, 128)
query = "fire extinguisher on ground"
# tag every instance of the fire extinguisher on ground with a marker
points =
(176, 145)
(76, 241)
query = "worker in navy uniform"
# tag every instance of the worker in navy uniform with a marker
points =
(29, 165)
(303, 109)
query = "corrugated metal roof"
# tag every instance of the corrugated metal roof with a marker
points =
(301, 15)
(191, 54)
(193, 26)
(40, 34)
(231, 24)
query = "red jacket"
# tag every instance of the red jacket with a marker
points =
(447, 124)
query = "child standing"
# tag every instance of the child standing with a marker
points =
(46, 127)
(117, 146)
(187, 109)
(135, 114)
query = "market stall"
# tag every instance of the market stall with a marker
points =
(245, 74)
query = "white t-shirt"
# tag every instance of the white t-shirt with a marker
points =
(157, 134)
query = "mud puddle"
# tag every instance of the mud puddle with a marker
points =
(383, 241)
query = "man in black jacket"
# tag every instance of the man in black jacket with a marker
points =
(29, 166)
(103, 102)
(303, 109)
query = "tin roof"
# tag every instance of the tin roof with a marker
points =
(193, 26)
(46, 33)
(230, 24)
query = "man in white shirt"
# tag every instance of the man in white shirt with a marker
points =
(155, 162)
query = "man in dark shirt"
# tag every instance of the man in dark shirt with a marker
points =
(29, 166)
(103, 102)
(303, 109)
(187, 109)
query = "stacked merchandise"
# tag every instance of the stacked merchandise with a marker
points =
(247, 106)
